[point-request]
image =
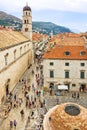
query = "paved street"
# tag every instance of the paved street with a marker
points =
(37, 118)
(14, 114)
(52, 100)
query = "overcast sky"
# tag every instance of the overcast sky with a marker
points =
(68, 13)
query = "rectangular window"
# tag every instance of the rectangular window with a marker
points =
(82, 64)
(51, 63)
(66, 64)
(51, 73)
(73, 85)
(82, 74)
(66, 74)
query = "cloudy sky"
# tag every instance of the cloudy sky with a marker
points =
(68, 13)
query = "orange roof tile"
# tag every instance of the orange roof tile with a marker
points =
(59, 53)
(68, 39)
(9, 37)
(37, 36)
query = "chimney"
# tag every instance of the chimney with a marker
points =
(85, 44)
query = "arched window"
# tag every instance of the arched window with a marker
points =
(51, 85)
(67, 53)
(6, 59)
(25, 48)
(20, 51)
(26, 13)
(14, 54)
(25, 21)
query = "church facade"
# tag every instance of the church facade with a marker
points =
(16, 54)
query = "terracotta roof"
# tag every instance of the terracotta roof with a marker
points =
(68, 39)
(59, 52)
(9, 37)
(37, 36)
(58, 119)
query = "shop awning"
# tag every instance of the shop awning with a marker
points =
(62, 87)
(38, 52)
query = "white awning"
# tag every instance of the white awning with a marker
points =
(38, 52)
(62, 87)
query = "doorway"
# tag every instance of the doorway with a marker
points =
(51, 86)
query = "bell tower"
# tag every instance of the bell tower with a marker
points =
(27, 22)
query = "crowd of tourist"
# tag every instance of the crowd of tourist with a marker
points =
(32, 93)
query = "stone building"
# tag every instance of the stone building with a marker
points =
(27, 22)
(66, 64)
(16, 54)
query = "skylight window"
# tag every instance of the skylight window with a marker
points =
(67, 53)
(82, 53)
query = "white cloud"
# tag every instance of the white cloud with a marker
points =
(65, 5)
(15, 7)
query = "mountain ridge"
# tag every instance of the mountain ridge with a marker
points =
(49, 27)
(37, 26)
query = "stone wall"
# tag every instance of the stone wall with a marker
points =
(15, 67)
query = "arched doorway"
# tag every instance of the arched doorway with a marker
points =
(51, 86)
(83, 87)
(7, 89)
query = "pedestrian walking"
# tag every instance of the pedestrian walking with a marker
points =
(35, 99)
(20, 101)
(22, 113)
(11, 125)
(31, 98)
(77, 95)
(28, 119)
(37, 92)
(32, 71)
(15, 124)
(29, 105)
(15, 97)
(32, 113)
(26, 103)
(11, 104)
(57, 100)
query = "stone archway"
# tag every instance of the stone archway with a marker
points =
(7, 87)
(83, 87)
(51, 86)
